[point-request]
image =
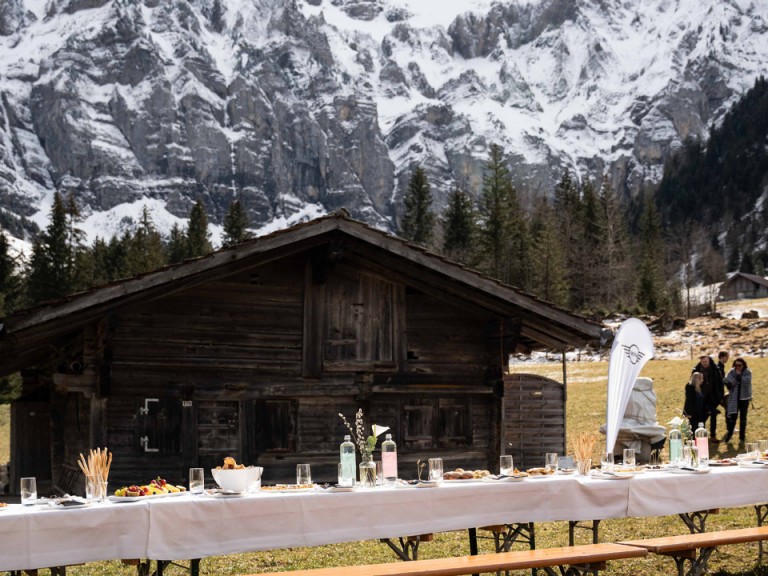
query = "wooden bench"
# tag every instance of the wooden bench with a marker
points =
(685, 547)
(571, 560)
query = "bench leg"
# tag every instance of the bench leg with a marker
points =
(409, 547)
(572, 525)
(506, 535)
(762, 514)
(698, 562)
(695, 521)
(574, 570)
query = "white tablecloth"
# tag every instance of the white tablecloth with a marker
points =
(195, 526)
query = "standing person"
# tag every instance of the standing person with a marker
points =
(722, 360)
(713, 390)
(695, 408)
(739, 383)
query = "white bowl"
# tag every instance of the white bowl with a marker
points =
(241, 480)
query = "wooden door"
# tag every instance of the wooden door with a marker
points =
(533, 419)
(218, 432)
(31, 444)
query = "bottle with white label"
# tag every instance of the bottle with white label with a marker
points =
(702, 443)
(389, 460)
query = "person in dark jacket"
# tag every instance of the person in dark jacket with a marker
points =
(713, 390)
(739, 382)
(722, 360)
(695, 408)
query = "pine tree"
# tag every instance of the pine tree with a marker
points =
(145, 250)
(548, 267)
(418, 220)
(495, 228)
(650, 292)
(568, 210)
(235, 225)
(198, 243)
(614, 249)
(177, 245)
(50, 274)
(459, 224)
(8, 277)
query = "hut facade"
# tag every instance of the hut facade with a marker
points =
(740, 286)
(253, 351)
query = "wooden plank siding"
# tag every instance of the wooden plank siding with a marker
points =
(534, 418)
(252, 351)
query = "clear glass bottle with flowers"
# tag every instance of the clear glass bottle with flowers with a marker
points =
(366, 445)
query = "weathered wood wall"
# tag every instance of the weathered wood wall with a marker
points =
(258, 365)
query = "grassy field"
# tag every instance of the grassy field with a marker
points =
(585, 412)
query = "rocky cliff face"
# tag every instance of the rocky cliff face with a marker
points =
(297, 106)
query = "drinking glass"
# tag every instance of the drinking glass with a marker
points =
(752, 449)
(629, 457)
(196, 480)
(28, 491)
(303, 474)
(506, 467)
(606, 462)
(762, 445)
(436, 469)
(694, 456)
(379, 473)
(95, 488)
(550, 461)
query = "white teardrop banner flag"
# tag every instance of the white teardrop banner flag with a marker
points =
(632, 348)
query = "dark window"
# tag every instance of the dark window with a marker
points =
(218, 432)
(442, 423)
(276, 425)
(453, 427)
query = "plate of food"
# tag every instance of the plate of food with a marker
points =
(654, 468)
(540, 472)
(460, 474)
(288, 488)
(723, 462)
(566, 471)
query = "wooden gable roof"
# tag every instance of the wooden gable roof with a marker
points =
(26, 335)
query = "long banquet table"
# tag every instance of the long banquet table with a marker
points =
(198, 526)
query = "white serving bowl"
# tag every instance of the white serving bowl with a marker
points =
(241, 480)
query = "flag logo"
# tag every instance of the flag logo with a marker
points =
(633, 353)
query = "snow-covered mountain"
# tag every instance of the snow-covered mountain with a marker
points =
(299, 107)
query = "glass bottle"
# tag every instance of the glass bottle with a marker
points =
(675, 445)
(389, 460)
(348, 462)
(702, 443)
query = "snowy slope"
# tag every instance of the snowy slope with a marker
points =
(300, 107)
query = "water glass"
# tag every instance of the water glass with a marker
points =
(28, 491)
(694, 456)
(95, 488)
(379, 473)
(196, 480)
(550, 461)
(303, 474)
(506, 467)
(606, 462)
(762, 445)
(629, 457)
(752, 449)
(436, 469)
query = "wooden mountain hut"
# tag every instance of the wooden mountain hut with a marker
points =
(254, 350)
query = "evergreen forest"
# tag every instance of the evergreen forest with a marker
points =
(577, 247)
